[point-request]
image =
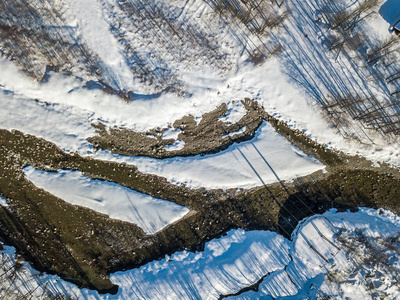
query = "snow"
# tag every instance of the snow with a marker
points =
(74, 126)
(73, 108)
(235, 112)
(171, 133)
(227, 264)
(287, 87)
(67, 92)
(390, 11)
(178, 145)
(307, 267)
(96, 34)
(278, 285)
(290, 268)
(241, 130)
(116, 201)
(379, 27)
(3, 202)
(229, 169)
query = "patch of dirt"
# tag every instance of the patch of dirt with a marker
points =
(84, 246)
(211, 135)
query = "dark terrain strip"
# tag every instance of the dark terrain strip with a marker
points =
(84, 246)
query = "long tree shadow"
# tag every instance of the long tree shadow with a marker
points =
(334, 75)
(317, 198)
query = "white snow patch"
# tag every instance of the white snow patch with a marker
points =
(236, 111)
(240, 259)
(241, 130)
(3, 202)
(96, 34)
(109, 198)
(178, 145)
(229, 169)
(171, 133)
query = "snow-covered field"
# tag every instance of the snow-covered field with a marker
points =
(96, 34)
(67, 109)
(227, 169)
(307, 266)
(289, 86)
(109, 198)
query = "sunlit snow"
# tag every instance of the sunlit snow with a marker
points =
(287, 268)
(267, 155)
(116, 201)
(3, 202)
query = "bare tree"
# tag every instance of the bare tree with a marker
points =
(383, 49)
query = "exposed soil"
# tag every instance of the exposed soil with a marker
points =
(83, 246)
(211, 135)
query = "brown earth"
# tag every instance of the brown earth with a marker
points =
(83, 246)
(211, 135)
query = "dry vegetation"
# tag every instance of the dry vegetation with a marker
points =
(33, 34)
(372, 260)
(377, 58)
(257, 15)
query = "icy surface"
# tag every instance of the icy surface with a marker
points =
(116, 201)
(297, 269)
